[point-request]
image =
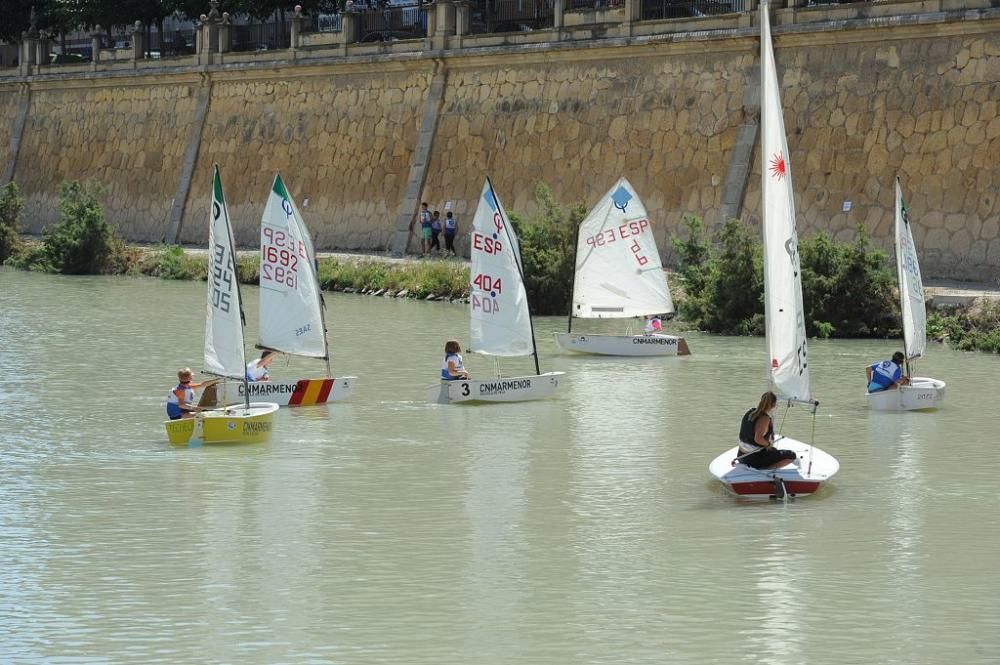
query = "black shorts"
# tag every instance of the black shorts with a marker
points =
(766, 457)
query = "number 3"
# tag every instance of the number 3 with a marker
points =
(465, 390)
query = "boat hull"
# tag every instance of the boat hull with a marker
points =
(234, 424)
(810, 471)
(623, 345)
(507, 389)
(304, 392)
(922, 393)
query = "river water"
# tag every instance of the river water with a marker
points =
(382, 529)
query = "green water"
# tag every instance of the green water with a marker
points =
(581, 529)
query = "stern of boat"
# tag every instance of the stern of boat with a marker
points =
(506, 389)
(922, 393)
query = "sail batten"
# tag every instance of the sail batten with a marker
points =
(785, 319)
(911, 288)
(224, 320)
(291, 314)
(618, 269)
(500, 324)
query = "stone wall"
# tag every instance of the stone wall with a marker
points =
(665, 118)
(859, 113)
(863, 103)
(130, 136)
(340, 137)
(10, 99)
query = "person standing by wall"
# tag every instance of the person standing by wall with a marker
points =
(436, 231)
(450, 229)
(425, 229)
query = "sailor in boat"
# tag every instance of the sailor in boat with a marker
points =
(757, 437)
(653, 326)
(257, 369)
(886, 375)
(452, 369)
(180, 400)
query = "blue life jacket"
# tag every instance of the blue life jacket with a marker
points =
(884, 374)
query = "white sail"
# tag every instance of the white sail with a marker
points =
(224, 323)
(911, 288)
(291, 315)
(498, 302)
(618, 268)
(785, 319)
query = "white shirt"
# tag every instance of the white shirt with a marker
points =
(255, 372)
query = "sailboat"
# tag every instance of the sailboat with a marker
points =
(922, 392)
(619, 275)
(500, 323)
(224, 352)
(291, 305)
(785, 322)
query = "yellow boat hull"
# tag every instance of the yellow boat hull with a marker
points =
(234, 424)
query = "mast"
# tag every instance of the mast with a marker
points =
(239, 296)
(900, 276)
(322, 309)
(576, 248)
(520, 272)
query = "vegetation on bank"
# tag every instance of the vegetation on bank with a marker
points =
(548, 252)
(11, 204)
(974, 328)
(849, 289)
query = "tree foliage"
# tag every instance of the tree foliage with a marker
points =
(548, 243)
(848, 289)
(11, 204)
(82, 243)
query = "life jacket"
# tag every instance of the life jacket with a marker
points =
(747, 426)
(174, 409)
(459, 366)
(886, 373)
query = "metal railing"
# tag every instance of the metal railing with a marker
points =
(262, 36)
(509, 15)
(392, 23)
(661, 9)
(172, 43)
(323, 23)
(595, 4)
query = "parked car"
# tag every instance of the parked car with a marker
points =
(66, 58)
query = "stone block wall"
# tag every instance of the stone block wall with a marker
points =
(863, 102)
(340, 137)
(664, 118)
(9, 101)
(129, 136)
(857, 114)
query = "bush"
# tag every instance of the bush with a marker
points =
(441, 278)
(548, 248)
(724, 286)
(847, 290)
(11, 204)
(82, 243)
(171, 262)
(974, 329)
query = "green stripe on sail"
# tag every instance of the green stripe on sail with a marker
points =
(279, 188)
(217, 186)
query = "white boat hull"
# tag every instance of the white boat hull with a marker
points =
(507, 389)
(922, 393)
(623, 345)
(806, 475)
(304, 392)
